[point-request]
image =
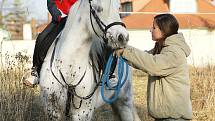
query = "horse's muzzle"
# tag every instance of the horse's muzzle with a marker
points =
(122, 38)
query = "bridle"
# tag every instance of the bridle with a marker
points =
(103, 27)
(71, 93)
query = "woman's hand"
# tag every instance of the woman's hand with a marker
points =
(119, 52)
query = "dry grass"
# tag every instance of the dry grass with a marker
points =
(23, 104)
(203, 93)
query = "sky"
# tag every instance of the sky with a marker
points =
(33, 8)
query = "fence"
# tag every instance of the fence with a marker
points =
(202, 43)
(201, 40)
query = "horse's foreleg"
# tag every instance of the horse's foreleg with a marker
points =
(122, 111)
(124, 107)
(125, 111)
(54, 105)
(85, 112)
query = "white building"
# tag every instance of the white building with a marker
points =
(196, 19)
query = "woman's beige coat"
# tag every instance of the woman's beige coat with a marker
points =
(168, 94)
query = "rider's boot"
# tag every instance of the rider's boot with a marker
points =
(31, 77)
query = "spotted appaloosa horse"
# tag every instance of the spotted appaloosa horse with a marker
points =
(71, 72)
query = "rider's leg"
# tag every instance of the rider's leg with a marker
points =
(39, 41)
(42, 44)
(30, 78)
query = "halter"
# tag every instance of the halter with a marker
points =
(105, 78)
(101, 24)
(71, 93)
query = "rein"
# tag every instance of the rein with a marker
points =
(71, 93)
(71, 89)
(106, 80)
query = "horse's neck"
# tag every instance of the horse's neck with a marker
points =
(75, 45)
(75, 41)
(72, 50)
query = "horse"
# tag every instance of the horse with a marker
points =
(71, 73)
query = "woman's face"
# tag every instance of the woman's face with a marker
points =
(156, 32)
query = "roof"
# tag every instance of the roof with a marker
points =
(143, 19)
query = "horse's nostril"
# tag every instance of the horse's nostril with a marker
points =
(121, 38)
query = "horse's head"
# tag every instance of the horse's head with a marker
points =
(106, 22)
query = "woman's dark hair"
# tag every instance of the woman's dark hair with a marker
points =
(168, 25)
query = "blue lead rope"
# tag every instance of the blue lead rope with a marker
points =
(106, 82)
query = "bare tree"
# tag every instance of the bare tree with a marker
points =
(14, 19)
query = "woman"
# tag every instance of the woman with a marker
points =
(59, 10)
(168, 92)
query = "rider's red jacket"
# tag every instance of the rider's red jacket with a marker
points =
(56, 6)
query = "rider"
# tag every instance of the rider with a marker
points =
(59, 10)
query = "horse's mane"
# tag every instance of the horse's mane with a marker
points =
(99, 51)
(99, 54)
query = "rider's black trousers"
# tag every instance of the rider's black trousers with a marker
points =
(45, 40)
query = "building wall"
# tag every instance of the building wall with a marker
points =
(202, 43)
(183, 6)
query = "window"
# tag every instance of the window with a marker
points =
(126, 7)
(183, 6)
(213, 2)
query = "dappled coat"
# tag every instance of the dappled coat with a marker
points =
(168, 94)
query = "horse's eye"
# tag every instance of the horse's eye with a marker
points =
(99, 9)
(120, 8)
